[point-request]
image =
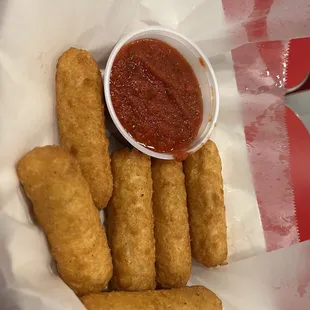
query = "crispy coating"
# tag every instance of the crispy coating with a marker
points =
(64, 208)
(130, 222)
(185, 298)
(173, 252)
(205, 197)
(80, 113)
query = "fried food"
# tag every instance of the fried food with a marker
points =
(185, 298)
(81, 123)
(173, 252)
(64, 208)
(205, 197)
(130, 222)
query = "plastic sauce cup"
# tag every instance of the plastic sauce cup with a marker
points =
(202, 69)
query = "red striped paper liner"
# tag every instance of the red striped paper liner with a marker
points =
(273, 147)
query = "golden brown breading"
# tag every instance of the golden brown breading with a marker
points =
(64, 208)
(185, 298)
(130, 222)
(173, 251)
(205, 196)
(81, 124)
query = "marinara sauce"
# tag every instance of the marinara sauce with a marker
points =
(156, 96)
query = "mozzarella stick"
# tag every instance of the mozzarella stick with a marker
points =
(205, 197)
(173, 253)
(185, 298)
(80, 113)
(64, 208)
(130, 222)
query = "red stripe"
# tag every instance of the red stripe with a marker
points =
(298, 66)
(300, 171)
(256, 25)
(267, 141)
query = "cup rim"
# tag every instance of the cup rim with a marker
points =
(106, 82)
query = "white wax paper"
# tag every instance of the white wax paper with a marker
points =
(32, 36)
(278, 280)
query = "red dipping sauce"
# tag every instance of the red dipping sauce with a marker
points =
(156, 95)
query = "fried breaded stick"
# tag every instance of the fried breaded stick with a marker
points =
(185, 298)
(64, 208)
(130, 222)
(173, 251)
(205, 196)
(81, 124)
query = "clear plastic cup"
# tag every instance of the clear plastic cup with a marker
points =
(201, 67)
